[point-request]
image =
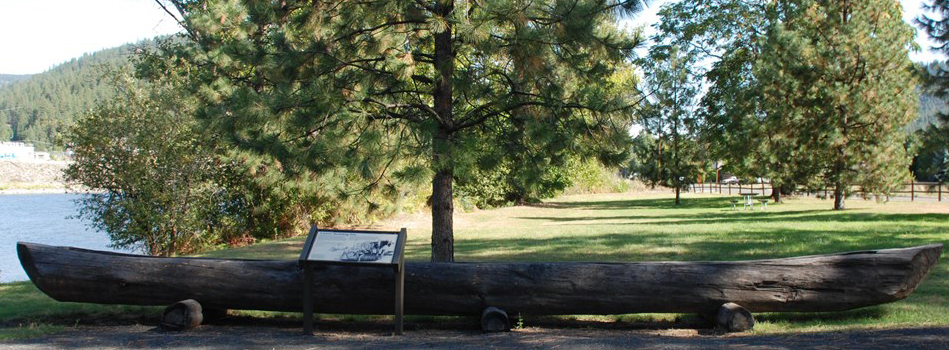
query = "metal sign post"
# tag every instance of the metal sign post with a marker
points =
(399, 281)
(347, 247)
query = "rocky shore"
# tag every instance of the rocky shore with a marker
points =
(32, 177)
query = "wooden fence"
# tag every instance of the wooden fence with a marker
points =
(913, 190)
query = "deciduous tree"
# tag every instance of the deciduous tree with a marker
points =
(728, 36)
(155, 182)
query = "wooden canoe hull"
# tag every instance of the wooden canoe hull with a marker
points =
(813, 283)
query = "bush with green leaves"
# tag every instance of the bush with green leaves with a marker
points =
(154, 180)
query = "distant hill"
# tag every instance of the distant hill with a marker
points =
(929, 107)
(10, 78)
(38, 108)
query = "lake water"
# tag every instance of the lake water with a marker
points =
(41, 218)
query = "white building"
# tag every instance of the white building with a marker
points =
(17, 151)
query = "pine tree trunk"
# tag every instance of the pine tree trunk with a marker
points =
(776, 193)
(442, 221)
(839, 197)
(442, 208)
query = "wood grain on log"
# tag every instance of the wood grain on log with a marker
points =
(811, 283)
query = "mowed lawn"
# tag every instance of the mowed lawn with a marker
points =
(637, 227)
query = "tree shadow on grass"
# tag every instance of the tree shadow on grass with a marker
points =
(872, 313)
(724, 216)
(656, 203)
(651, 246)
(798, 217)
(673, 218)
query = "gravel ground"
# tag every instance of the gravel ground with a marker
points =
(285, 337)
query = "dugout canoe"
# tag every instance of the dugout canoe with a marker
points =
(832, 282)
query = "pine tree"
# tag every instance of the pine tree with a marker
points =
(937, 82)
(670, 115)
(408, 86)
(838, 86)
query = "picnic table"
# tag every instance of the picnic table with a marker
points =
(749, 199)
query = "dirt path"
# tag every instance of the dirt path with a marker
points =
(255, 337)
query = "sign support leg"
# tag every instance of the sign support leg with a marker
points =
(399, 295)
(307, 299)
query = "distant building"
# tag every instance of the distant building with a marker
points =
(17, 151)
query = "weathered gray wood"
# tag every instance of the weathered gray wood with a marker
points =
(307, 299)
(812, 283)
(494, 320)
(400, 285)
(183, 315)
(733, 318)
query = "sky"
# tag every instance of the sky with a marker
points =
(37, 35)
(911, 10)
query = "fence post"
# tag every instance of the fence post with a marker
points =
(912, 190)
(939, 190)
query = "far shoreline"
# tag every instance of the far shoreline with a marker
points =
(19, 191)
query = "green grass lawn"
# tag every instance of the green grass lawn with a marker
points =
(636, 227)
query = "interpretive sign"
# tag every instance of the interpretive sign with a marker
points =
(346, 247)
(354, 246)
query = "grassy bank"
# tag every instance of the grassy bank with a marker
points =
(614, 227)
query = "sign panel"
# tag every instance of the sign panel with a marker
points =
(378, 248)
(352, 246)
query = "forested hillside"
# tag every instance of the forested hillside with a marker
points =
(38, 108)
(10, 78)
(929, 107)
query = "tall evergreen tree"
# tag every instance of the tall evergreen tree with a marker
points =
(670, 115)
(838, 84)
(356, 85)
(937, 79)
